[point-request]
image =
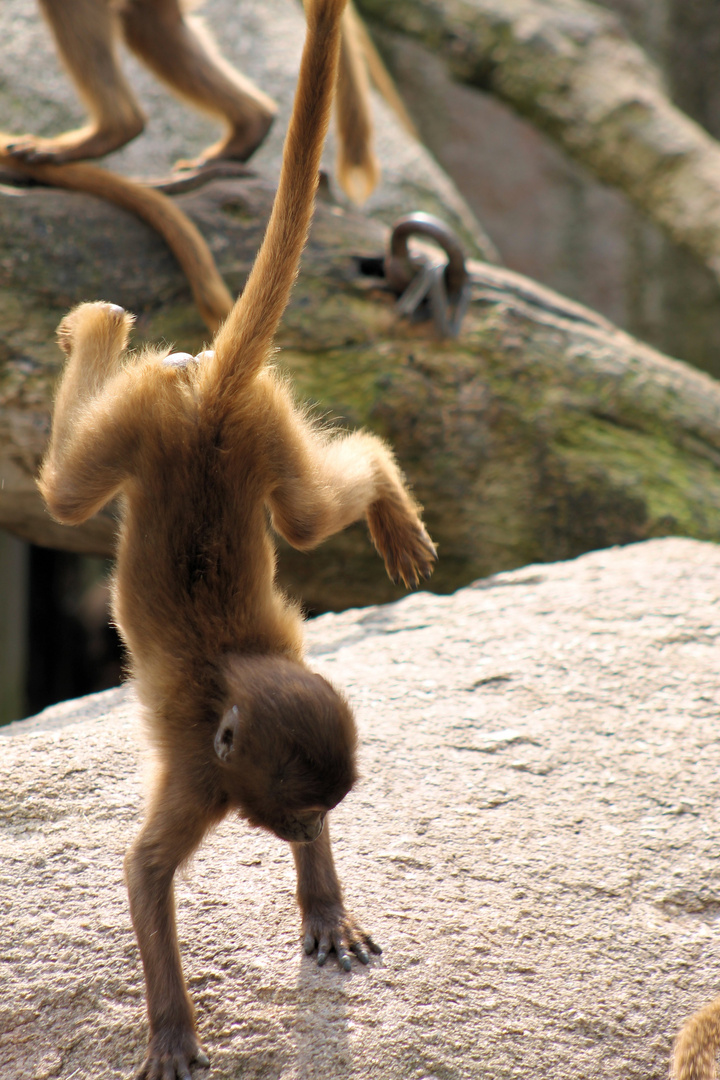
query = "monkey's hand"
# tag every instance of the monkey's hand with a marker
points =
(170, 1054)
(334, 928)
(401, 538)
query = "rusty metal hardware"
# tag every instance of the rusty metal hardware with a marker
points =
(443, 285)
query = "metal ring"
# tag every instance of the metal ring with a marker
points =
(401, 266)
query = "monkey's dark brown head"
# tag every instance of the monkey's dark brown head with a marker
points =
(286, 744)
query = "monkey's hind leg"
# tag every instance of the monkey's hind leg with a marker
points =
(100, 408)
(325, 484)
(181, 53)
(84, 32)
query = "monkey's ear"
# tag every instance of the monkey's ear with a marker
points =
(227, 736)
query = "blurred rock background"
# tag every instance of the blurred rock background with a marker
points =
(549, 218)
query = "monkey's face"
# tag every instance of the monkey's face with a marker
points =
(286, 747)
(302, 827)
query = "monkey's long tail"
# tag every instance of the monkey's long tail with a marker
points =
(357, 167)
(186, 243)
(697, 1045)
(244, 342)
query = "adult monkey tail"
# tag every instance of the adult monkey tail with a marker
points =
(156, 209)
(357, 167)
(243, 344)
(696, 1047)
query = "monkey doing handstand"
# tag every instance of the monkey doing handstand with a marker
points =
(199, 450)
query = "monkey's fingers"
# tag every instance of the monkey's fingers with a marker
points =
(172, 1065)
(343, 938)
(356, 941)
(363, 945)
(342, 954)
(325, 944)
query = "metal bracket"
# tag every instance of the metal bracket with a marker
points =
(443, 284)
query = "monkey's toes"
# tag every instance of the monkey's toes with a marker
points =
(240, 145)
(403, 542)
(22, 148)
(415, 561)
(36, 151)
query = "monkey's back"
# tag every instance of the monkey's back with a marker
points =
(196, 562)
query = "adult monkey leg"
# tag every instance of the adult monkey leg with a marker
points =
(84, 32)
(179, 51)
(174, 47)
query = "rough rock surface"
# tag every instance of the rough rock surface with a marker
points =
(534, 843)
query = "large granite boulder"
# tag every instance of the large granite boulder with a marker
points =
(533, 841)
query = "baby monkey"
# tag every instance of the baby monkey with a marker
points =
(696, 1047)
(201, 450)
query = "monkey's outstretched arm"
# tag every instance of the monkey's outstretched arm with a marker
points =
(325, 483)
(172, 831)
(98, 412)
(326, 924)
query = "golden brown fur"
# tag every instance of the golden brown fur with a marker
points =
(199, 451)
(696, 1047)
(177, 48)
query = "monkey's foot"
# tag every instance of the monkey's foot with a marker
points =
(239, 145)
(170, 1055)
(403, 542)
(86, 142)
(336, 930)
